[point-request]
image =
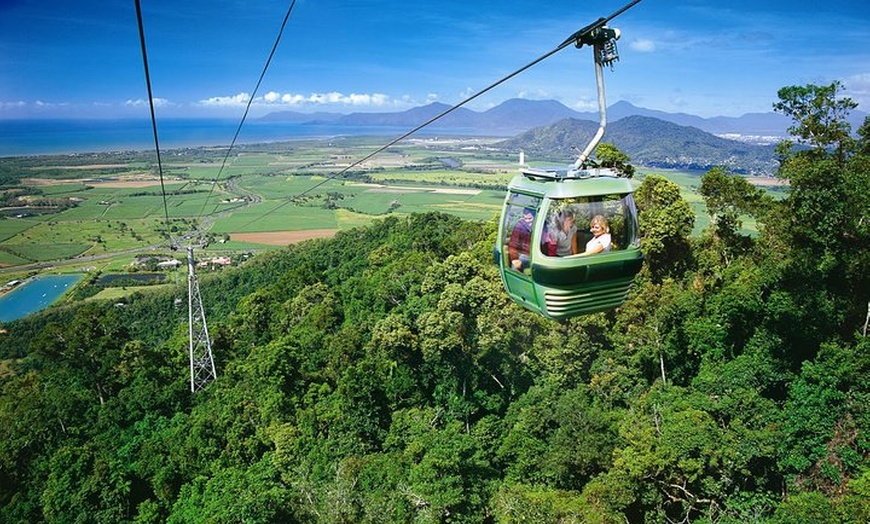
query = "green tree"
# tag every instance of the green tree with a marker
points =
(824, 221)
(91, 344)
(683, 459)
(448, 479)
(609, 155)
(824, 418)
(808, 507)
(819, 116)
(516, 503)
(251, 494)
(666, 221)
(560, 439)
(727, 197)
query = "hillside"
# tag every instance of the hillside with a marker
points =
(383, 376)
(548, 129)
(519, 115)
(650, 142)
(512, 116)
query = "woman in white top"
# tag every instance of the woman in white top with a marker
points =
(600, 242)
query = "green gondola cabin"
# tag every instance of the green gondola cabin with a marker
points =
(558, 284)
(568, 239)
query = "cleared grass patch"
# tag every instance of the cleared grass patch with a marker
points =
(118, 293)
(103, 235)
(46, 252)
(13, 226)
(349, 219)
(7, 258)
(283, 238)
(449, 177)
(276, 216)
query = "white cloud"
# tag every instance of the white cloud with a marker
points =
(585, 105)
(226, 101)
(537, 93)
(857, 87)
(326, 98)
(292, 99)
(642, 45)
(274, 98)
(678, 101)
(42, 104)
(139, 102)
(376, 99)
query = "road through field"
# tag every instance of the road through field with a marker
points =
(75, 261)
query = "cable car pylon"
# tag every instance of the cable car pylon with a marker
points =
(202, 370)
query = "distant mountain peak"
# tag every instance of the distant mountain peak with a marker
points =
(521, 114)
(648, 141)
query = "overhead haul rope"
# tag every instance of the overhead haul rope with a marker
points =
(573, 39)
(154, 129)
(248, 106)
(153, 118)
(238, 129)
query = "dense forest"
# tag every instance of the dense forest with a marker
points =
(384, 376)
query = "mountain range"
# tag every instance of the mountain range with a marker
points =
(649, 142)
(517, 115)
(549, 128)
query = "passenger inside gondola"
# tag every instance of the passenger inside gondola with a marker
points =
(564, 236)
(600, 241)
(520, 241)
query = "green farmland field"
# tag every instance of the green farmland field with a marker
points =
(9, 228)
(276, 216)
(42, 252)
(115, 208)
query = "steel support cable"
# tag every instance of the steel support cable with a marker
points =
(573, 39)
(248, 107)
(153, 117)
(407, 134)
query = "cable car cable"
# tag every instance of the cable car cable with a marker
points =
(248, 106)
(151, 107)
(577, 39)
(536, 249)
(238, 129)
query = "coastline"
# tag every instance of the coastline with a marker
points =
(75, 137)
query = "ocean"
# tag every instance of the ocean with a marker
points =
(57, 137)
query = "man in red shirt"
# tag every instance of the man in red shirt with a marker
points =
(521, 239)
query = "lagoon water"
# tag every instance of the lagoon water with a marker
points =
(34, 295)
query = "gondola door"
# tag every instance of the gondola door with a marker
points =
(519, 236)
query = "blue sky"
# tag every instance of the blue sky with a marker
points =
(62, 58)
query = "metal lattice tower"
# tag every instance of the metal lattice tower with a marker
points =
(202, 369)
